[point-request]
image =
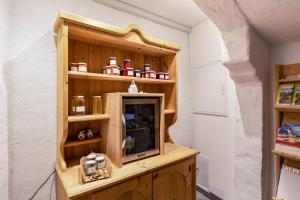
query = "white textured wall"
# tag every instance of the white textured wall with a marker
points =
(214, 135)
(4, 49)
(285, 53)
(32, 86)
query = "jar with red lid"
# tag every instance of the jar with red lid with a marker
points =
(167, 76)
(160, 75)
(137, 73)
(127, 64)
(127, 72)
(152, 74)
(146, 74)
(146, 67)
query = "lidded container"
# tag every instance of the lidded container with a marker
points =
(90, 167)
(127, 72)
(127, 64)
(137, 73)
(97, 105)
(74, 67)
(78, 105)
(167, 76)
(146, 74)
(160, 75)
(146, 67)
(82, 67)
(100, 160)
(112, 61)
(152, 74)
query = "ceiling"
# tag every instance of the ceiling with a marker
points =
(184, 12)
(277, 21)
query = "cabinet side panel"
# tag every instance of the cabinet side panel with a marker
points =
(62, 93)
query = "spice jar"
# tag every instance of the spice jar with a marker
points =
(167, 76)
(78, 105)
(160, 75)
(90, 167)
(127, 64)
(112, 61)
(82, 67)
(74, 67)
(100, 160)
(137, 73)
(152, 74)
(97, 105)
(127, 72)
(146, 74)
(146, 67)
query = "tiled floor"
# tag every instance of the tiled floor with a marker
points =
(199, 196)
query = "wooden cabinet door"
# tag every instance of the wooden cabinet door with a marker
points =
(135, 189)
(176, 182)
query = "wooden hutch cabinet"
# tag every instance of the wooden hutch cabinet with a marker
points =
(165, 172)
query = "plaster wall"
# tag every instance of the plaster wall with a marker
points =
(4, 46)
(214, 135)
(284, 53)
(32, 86)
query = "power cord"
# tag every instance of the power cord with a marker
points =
(42, 185)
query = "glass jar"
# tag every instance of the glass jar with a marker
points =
(152, 74)
(127, 64)
(74, 67)
(100, 162)
(90, 167)
(78, 105)
(167, 76)
(97, 105)
(82, 67)
(160, 75)
(146, 67)
(112, 61)
(137, 73)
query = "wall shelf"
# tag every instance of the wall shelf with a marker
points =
(169, 111)
(289, 80)
(73, 143)
(287, 155)
(105, 77)
(285, 108)
(83, 118)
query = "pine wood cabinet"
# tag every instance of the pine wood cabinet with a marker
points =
(175, 182)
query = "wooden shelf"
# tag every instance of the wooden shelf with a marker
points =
(73, 143)
(287, 155)
(169, 111)
(285, 108)
(83, 118)
(97, 76)
(289, 80)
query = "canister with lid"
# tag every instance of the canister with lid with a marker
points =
(127, 72)
(167, 76)
(90, 167)
(152, 74)
(78, 105)
(160, 75)
(74, 67)
(82, 67)
(127, 64)
(100, 162)
(112, 61)
(137, 73)
(146, 74)
(146, 67)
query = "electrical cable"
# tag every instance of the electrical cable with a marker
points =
(42, 185)
(51, 187)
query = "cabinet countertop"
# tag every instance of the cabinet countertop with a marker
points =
(173, 153)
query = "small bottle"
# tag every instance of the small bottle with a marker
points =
(97, 105)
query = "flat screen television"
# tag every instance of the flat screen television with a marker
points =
(140, 127)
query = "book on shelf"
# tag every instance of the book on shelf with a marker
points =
(289, 182)
(285, 94)
(289, 134)
(296, 96)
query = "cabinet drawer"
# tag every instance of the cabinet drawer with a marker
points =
(135, 189)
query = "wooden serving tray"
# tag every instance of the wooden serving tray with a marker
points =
(83, 178)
